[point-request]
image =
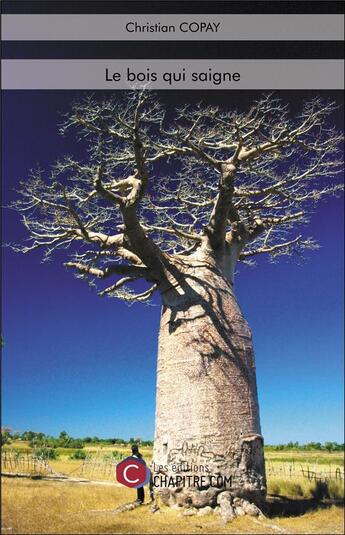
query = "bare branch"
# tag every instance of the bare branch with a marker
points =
(117, 269)
(153, 185)
(287, 247)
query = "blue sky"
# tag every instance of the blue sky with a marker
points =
(73, 361)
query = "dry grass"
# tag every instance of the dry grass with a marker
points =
(284, 477)
(54, 507)
(302, 487)
(147, 451)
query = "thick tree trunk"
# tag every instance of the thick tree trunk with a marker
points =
(207, 415)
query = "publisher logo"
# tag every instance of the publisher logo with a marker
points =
(132, 472)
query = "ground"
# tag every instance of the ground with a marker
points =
(39, 506)
(53, 507)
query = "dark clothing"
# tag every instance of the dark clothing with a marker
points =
(141, 495)
(140, 491)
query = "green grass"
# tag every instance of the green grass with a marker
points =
(306, 458)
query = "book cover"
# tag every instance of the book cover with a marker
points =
(172, 268)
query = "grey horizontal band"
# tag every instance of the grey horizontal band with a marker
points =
(170, 74)
(235, 27)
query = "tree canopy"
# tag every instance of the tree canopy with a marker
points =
(157, 184)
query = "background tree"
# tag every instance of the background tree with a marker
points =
(5, 436)
(176, 198)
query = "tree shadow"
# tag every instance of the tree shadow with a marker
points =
(276, 505)
(211, 302)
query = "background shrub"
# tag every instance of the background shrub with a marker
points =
(79, 454)
(47, 453)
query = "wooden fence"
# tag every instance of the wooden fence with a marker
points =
(315, 472)
(96, 467)
(16, 463)
(103, 467)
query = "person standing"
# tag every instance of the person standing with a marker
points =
(140, 491)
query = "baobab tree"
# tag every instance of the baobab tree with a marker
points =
(176, 198)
